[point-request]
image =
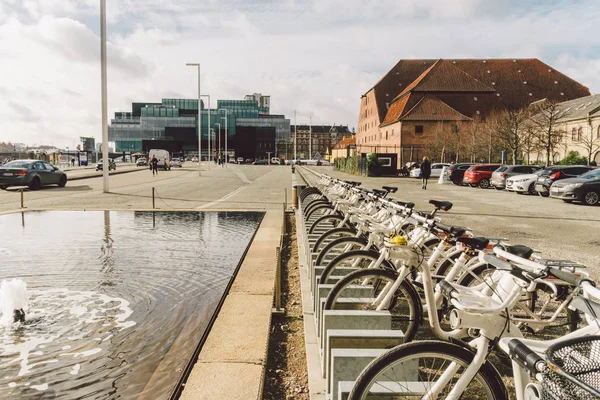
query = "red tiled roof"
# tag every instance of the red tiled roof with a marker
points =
(430, 108)
(345, 142)
(400, 106)
(516, 83)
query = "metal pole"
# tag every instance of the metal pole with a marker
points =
(104, 91)
(199, 129)
(209, 132)
(22, 199)
(310, 138)
(153, 198)
(226, 135)
(278, 281)
(285, 199)
(295, 135)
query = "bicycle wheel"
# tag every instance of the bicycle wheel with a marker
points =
(313, 207)
(356, 259)
(308, 191)
(411, 370)
(331, 235)
(339, 246)
(406, 307)
(326, 222)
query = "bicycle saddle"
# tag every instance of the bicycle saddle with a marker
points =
(476, 243)
(406, 204)
(452, 231)
(442, 205)
(379, 192)
(519, 250)
(390, 189)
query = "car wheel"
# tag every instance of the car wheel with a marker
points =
(567, 201)
(456, 183)
(473, 184)
(35, 184)
(3, 187)
(591, 198)
(62, 181)
(544, 194)
(519, 192)
(484, 183)
(531, 189)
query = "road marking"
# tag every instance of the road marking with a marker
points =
(224, 198)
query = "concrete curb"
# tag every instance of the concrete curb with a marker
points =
(232, 362)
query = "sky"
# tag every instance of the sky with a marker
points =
(313, 56)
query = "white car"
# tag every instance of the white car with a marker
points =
(194, 159)
(176, 162)
(436, 170)
(523, 183)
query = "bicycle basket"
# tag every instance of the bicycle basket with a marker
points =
(573, 370)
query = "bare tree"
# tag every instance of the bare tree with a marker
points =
(591, 142)
(548, 130)
(507, 125)
(436, 142)
(529, 143)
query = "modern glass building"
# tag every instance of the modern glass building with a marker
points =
(173, 122)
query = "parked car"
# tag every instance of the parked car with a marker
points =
(141, 162)
(194, 159)
(240, 160)
(584, 188)
(436, 170)
(480, 175)
(555, 173)
(260, 162)
(522, 184)
(111, 165)
(457, 171)
(176, 162)
(32, 173)
(499, 176)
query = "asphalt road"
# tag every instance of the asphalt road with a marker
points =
(235, 187)
(556, 229)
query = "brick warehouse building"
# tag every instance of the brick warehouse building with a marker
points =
(410, 100)
(316, 141)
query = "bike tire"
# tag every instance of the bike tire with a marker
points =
(369, 255)
(323, 207)
(339, 242)
(334, 219)
(487, 383)
(324, 238)
(379, 277)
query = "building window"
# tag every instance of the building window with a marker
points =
(386, 135)
(418, 129)
(598, 133)
(574, 134)
(393, 132)
(579, 134)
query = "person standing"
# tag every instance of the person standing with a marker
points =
(154, 164)
(425, 172)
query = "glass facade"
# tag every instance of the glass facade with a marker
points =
(128, 130)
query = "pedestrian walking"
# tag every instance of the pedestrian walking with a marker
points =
(425, 172)
(154, 165)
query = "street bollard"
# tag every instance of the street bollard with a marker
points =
(153, 198)
(22, 199)
(278, 283)
(283, 228)
(294, 197)
(284, 199)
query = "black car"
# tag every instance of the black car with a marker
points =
(260, 162)
(557, 172)
(584, 188)
(32, 173)
(456, 172)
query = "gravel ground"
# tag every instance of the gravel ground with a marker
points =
(286, 376)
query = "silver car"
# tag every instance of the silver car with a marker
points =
(499, 176)
(176, 162)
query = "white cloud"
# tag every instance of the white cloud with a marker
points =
(315, 56)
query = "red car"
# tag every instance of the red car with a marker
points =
(480, 175)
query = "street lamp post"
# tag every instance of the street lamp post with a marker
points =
(295, 136)
(104, 91)
(310, 138)
(199, 120)
(209, 135)
(219, 142)
(226, 133)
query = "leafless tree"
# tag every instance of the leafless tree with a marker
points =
(591, 141)
(529, 143)
(548, 130)
(436, 142)
(507, 125)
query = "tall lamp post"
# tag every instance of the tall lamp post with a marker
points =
(295, 136)
(199, 120)
(104, 95)
(219, 143)
(209, 135)
(226, 134)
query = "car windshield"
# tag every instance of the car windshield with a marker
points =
(17, 164)
(545, 172)
(593, 174)
(501, 169)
